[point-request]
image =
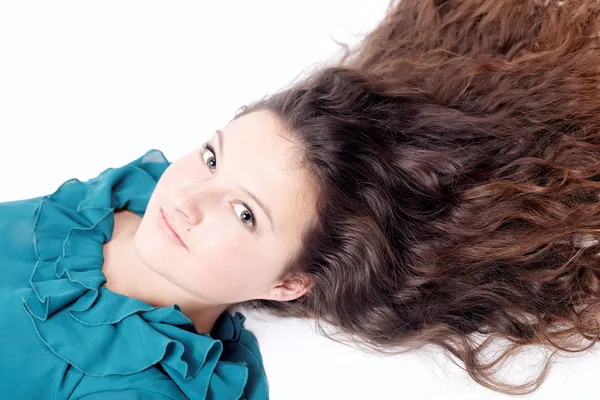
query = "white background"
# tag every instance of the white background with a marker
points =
(90, 85)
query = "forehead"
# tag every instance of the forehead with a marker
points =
(266, 160)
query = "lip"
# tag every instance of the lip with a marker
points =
(168, 230)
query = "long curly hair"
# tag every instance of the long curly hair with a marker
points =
(456, 154)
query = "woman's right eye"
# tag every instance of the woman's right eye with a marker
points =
(208, 155)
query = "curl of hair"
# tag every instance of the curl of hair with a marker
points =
(456, 154)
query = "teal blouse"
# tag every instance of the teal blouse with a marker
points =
(65, 336)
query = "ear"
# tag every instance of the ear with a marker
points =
(290, 288)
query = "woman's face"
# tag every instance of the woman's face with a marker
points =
(239, 207)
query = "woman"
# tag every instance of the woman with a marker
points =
(440, 183)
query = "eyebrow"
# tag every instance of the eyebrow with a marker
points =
(265, 209)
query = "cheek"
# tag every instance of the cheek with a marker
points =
(215, 239)
(187, 169)
(227, 261)
(219, 247)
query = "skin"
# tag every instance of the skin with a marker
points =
(222, 260)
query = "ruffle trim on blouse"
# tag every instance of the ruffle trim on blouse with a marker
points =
(102, 332)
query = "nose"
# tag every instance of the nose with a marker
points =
(193, 200)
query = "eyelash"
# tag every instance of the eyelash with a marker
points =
(207, 146)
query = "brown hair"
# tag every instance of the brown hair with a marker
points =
(456, 153)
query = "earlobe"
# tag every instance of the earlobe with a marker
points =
(290, 289)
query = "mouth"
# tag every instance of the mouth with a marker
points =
(167, 229)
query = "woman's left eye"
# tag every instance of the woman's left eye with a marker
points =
(245, 214)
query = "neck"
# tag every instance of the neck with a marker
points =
(126, 274)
